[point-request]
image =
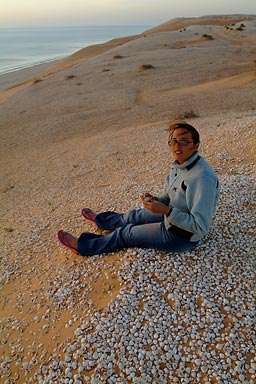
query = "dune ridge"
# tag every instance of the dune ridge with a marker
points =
(211, 86)
(98, 49)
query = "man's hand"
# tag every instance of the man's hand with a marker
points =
(147, 197)
(149, 202)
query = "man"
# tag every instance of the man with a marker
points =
(172, 222)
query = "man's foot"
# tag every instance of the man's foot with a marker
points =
(68, 241)
(89, 214)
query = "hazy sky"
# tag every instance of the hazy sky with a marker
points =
(105, 12)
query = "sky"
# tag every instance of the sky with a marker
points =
(113, 12)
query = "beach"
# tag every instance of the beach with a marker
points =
(91, 131)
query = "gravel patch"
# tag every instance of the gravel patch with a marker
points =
(136, 316)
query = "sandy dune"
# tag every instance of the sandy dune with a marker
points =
(211, 86)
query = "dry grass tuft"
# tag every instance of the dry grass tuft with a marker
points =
(118, 57)
(146, 66)
(70, 77)
(188, 115)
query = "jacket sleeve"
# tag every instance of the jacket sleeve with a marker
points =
(201, 197)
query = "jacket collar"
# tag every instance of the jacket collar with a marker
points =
(189, 163)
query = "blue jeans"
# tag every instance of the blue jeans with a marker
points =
(135, 228)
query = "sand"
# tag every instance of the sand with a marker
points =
(90, 130)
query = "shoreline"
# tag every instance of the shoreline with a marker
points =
(89, 41)
(12, 78)
(35, 64)
(31, 75)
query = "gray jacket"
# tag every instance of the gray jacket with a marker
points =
(192, 192)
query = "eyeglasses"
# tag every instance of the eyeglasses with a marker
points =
(182, 143)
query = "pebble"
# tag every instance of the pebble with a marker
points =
(178, 317)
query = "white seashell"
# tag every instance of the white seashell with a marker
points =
(67, 359)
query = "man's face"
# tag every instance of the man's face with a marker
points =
(182, 145)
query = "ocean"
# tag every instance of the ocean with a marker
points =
(25, 47)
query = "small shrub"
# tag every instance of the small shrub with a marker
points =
(189, 115)
(146, 66)
(181, 118)
(8, 230)
(233, 172)
(37, 81)
(241, 28)
(70, 77)
(118, 57)
(208, 37)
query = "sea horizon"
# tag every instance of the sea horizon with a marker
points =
(25, 47)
